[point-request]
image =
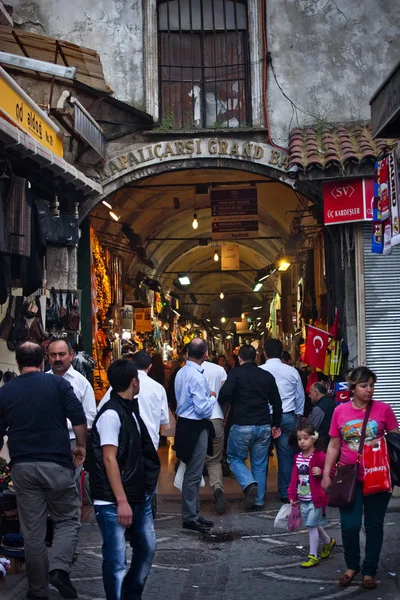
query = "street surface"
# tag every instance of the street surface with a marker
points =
(258, 562)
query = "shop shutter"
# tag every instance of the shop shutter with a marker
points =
(382, 320)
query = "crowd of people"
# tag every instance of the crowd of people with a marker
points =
(241, 412)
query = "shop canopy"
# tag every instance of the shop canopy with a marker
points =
(385, 107)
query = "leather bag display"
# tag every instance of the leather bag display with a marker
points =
(73, 318)
(6, 324)
(343, 488)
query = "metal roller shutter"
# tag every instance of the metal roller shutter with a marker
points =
(382, 320)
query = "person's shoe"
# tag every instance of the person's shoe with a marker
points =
(31, 596)
(285, 500)
(312, 561)
(368, 583)
(220, 501)
(195, 526)
(257, 508)
(61, 581)
(327, 548)
(250, 493)
(204, 521)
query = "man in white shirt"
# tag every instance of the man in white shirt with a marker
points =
(291, 392)
(152, 398)
(216, 376)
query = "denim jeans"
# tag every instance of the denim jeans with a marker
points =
(119, 585)
(253, 439)
(285, 453)
(351, 518)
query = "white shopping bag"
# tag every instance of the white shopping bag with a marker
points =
(178, 481)
(281, 519)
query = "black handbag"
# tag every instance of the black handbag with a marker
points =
(53, 319)
(20, 330)
(7, 323)
(36, 330)
(393, 443)
(344, 482)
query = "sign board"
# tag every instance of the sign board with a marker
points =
(348, 200)
(385, 107)
(234, 213)
(89, 132)
(22, 112)
(127, 317)
(143, 320)
(230, 257)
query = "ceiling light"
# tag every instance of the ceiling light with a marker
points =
(176, 312)
(215, 327)
(257, 287)
(184, 280)
(114, 216)
(222, 296)
(216, 256)
(106, 204)
(208, 320)
(223, 320)
(283, 265)
(195, 222)
(258, 318)
(242, 316)
(228, 337)
(257, 307)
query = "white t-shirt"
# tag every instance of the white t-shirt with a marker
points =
(153, 405)
(109, 426)
(215, 375)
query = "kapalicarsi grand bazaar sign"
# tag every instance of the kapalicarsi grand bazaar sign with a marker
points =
(193, 149)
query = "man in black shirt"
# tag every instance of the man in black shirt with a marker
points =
(250, 391)
(34, 409)
(321, 414)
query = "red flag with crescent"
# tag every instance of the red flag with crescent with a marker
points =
(316, 346)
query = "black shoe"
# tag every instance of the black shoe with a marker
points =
(285, 500)
(257, 508)
(195, 526)
(220, 501)
(204, 521)
(61, 581)
(250, 493)
(31, 596)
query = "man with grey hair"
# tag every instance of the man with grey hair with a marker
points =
(321, 414)
(193, 441)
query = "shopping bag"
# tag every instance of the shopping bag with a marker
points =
(282, 518)
(178, 481)
(294, 520)
(376, 468)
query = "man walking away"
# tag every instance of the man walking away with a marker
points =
(291, 392)
(321, 414)
(34, 409)
(250, 391)
(216, 376)
(195, 404)
(124, 469)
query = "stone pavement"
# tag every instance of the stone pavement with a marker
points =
(256, 561)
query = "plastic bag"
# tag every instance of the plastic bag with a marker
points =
(294, 521)
(376, 468)
(178, 481)
(282, 518)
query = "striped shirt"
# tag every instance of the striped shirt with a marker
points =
(303, 482)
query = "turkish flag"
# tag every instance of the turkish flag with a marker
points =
(316, 345)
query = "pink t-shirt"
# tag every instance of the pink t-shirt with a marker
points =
(347, 423)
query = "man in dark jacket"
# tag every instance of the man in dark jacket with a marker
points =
(250, 391)
(124, 469)
(321, 414)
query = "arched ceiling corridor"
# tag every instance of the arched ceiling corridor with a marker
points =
(160, 210)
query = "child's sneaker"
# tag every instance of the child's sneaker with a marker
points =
(327, 548)
(312, 561)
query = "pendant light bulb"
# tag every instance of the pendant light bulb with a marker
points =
(222, 295)
(216, 256)
(195, 222)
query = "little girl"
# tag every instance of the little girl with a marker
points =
(305, 487)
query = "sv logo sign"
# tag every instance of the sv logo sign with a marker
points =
(343, 191)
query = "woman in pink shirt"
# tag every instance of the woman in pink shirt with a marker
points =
(345, 435)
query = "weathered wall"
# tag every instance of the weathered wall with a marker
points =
(112, 27)
(328, 55)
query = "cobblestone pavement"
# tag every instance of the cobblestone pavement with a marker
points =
(256, 562)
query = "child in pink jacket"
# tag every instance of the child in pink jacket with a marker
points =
(305, 487)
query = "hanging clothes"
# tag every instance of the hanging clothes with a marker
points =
(18, 219)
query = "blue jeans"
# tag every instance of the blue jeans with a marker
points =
(253, 439)
(285, 453)
(119, 585)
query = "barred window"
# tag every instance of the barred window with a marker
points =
(204, 63)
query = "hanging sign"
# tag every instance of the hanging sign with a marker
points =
(348, 200)
(127, 317)
(230, 257)
(234, 213)
(143, 320)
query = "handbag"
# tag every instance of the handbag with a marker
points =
(294, 520)
(376, 468)
(393, 442)
(7, 323)
(343, 488)
(282, 518)
(53, 320)
(36, 330)
(20, 330)
(73, 318)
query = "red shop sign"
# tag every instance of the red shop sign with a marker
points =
(348, 200)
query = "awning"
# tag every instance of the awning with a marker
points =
(25, 144)
(385, 107)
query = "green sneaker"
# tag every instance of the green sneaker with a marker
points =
(327, 548)
(312, 561)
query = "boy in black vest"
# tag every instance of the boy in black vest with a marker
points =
(124, 469)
